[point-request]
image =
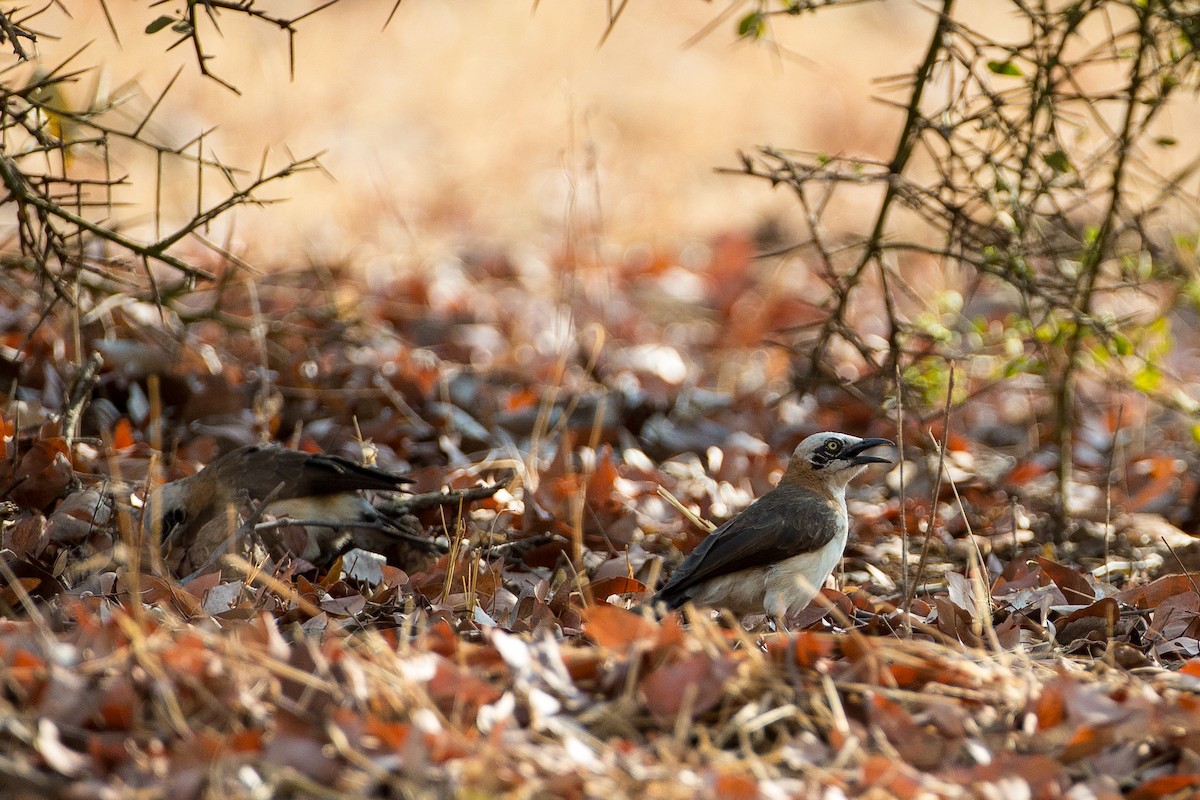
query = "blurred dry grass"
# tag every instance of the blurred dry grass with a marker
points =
(497, 121)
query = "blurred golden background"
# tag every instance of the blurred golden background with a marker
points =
(502, 124)
(494, 121)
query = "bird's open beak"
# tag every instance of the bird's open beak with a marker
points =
(853, 453)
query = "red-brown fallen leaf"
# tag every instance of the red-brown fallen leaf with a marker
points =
(602, 482)
(809, 649)
(332, 576)
(902, 676)
(548, 554)
(671, 634)
(249, 740)
(609, 586)
(28, 536)
(520, 398)
(1085, 741)
(1050, 708)
(734, 786)
(1153, 593)
(451, 686)
(393, 735)
(443, 747)
(199, 586)
(694, 685)
(1162, 472)
(107, 752)
(119, 707)
(583, 664)
(344, 606)
(44, 474)
(1045, 776)
(920, 608)
(36, 580)
(1165, 786)
(1095, 622)
(189, 657)
(1174, 617)
(1008, 632)
(155, 589)
(616, 628)
(1072, 584)
(1106, 609)
(1023, 473)
(956, 622)
(122, 435)
(892, 776)
(26, 672)
(10, 595)
(829, 601)
(560, 489)
(920, 746)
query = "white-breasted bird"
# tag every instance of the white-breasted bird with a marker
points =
(774, 557)
(197, 513)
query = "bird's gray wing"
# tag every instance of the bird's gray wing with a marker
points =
(331, 474)
(787, 521)
(258, 470)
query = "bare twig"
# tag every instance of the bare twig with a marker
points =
(81, 392)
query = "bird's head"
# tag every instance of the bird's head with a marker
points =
(170, 506)
(834, 458)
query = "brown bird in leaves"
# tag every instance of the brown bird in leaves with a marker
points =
(776, 555)
(198, 513)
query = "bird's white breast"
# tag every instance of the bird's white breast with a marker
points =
(792, 583)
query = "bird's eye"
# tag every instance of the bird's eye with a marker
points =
(833, 446)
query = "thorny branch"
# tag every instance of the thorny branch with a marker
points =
(190, 24)
(995, 166)
(13, 33)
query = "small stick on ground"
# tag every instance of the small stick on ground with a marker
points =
(81, 390)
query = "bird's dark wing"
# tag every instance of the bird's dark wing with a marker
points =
(785, 522)
(260, 469)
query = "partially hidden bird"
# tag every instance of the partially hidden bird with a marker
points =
(197, 514)
(775, 556)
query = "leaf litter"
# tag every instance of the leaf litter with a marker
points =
(564, 460)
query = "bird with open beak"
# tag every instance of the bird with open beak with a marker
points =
(775, 556)
(198, 514)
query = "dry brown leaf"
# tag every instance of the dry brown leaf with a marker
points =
(616, 628)
(692, 685)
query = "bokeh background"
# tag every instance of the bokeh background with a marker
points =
(496, 122)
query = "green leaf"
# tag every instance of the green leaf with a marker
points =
(159, 24)
(1166, 141)
(1058, 161)
(1006, 67)
(753, 25)
(183, 26)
